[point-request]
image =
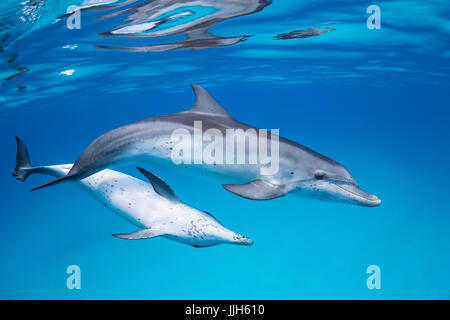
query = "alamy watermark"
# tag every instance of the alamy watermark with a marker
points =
(374, 280)
(74, 280)
(232, 147)
(74, 17)
(374, 20)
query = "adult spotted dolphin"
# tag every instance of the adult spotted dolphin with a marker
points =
(301, 170)
(153, 208)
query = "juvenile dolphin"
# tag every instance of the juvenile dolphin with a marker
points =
(301, 170)
(153, 208)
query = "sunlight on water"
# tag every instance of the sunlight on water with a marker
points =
(328, 42)
(193, 19)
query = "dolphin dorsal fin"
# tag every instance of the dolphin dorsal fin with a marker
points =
(205, 103)
(160, 186)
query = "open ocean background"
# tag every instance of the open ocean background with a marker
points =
(376, 101)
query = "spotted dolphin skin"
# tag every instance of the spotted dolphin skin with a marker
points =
(152, 207)
(301, 170)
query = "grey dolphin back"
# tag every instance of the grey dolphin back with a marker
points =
(257, 190)
(206, 104)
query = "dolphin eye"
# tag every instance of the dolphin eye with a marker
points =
(319, 174)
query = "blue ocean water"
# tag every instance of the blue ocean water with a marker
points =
(375, 100)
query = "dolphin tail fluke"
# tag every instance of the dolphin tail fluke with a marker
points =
(23, 164)
(24, 169)
(51, 183)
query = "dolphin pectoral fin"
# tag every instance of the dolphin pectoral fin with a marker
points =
(257, 190)
(140, 234)
(159, 185)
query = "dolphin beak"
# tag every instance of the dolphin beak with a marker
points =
(247, 241)
(242, 240)
(359, 196)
